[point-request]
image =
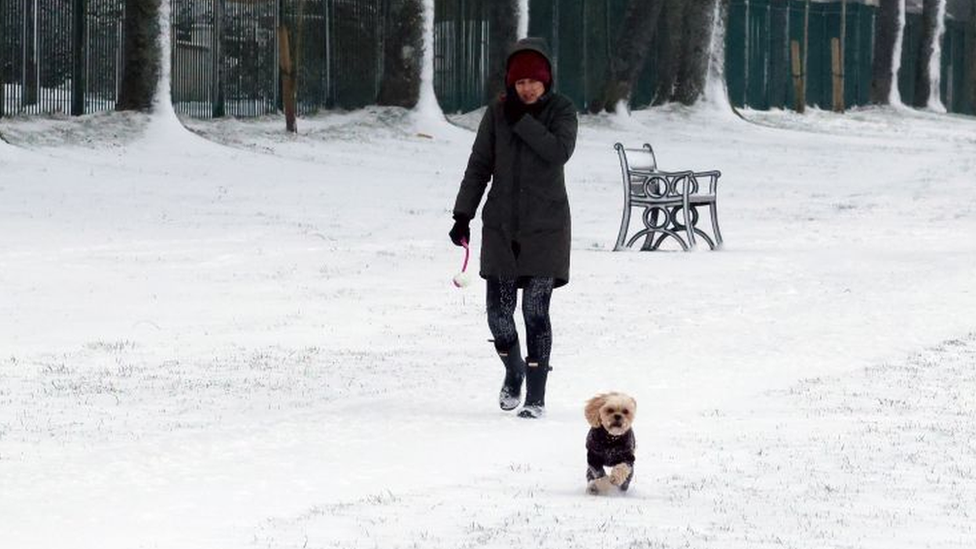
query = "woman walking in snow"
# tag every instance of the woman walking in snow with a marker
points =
(523, 141)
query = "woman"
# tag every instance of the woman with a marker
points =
(523, 141)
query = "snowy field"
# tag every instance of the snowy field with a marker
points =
(234, 337)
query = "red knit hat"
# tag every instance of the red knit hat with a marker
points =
(528, 64)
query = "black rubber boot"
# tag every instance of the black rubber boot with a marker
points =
(536, 374)
(511, 393)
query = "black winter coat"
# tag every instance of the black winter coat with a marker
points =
(606, 450)
(526, 221)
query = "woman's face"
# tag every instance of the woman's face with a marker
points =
(529, 90)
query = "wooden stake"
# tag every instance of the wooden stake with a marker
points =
(288, 79)
(837, 65)
(799, 89)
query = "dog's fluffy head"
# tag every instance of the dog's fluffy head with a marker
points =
(614, 411)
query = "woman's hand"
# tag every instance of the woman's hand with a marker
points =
(461, 231)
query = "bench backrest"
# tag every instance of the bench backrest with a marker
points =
(642, 159)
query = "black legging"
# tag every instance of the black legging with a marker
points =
(502, 295)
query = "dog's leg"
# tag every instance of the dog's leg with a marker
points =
(599, 486)
(597, 481)
(621, 474)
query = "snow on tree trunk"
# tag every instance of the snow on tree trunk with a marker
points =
(928, 79)
(887, 38)
(523, 24)
(403, 54)
(630, 50)
(140, 64)
(894, 97)
(427, 107)
(163, 104)
(716, 92)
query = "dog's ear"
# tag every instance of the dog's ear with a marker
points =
(592, 410)
(633, 406)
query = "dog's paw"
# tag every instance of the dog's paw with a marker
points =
(599, 486)
(619, 473)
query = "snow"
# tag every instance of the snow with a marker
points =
(934, 65)
(716, 94)
(523, 18)
(231, 336)
(894, 96)
(428, 116)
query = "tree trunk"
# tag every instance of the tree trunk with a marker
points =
(630, 50)
(669, 49)
(926, 49)
(402, 54)
(696, 40)
(885, 35)
(503, 18)
(140, 66)
(780, 69)
(971, 40)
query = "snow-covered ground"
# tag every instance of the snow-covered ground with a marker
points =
(235, 337)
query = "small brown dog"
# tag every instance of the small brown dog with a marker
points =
(610, 442)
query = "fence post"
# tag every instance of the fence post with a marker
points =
(29, 75)
(837, 70)
(217, 79)
(78, 57)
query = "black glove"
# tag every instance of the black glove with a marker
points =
(513, 107)
(460, 231)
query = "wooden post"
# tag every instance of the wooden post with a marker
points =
(843, 54)
(837, 66)
(288, 79)
(799, 87)
(806, 49)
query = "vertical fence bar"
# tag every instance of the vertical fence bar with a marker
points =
(78, 57)
(3, 56)
(219, 109)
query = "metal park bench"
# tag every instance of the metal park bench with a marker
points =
(670, 202)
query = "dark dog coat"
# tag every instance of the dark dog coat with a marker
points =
(606, 450)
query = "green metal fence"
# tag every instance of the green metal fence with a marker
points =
(461, 39)
(957, 50)
(59, 56)
(55, 56)
(758, 71)
(758, 62)
(226, 54)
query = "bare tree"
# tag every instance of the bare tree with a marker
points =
(630, 50)
(140, 65)
(885, 36)
(926, 49)
(503, 17)
(403, 54)
(695, 46)
(669, 37)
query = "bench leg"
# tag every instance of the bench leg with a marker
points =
(690, 225)
(715, 230)
(624, 225)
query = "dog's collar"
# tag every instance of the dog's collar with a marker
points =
(610, 435)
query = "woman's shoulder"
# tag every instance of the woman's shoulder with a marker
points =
(561, 102)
